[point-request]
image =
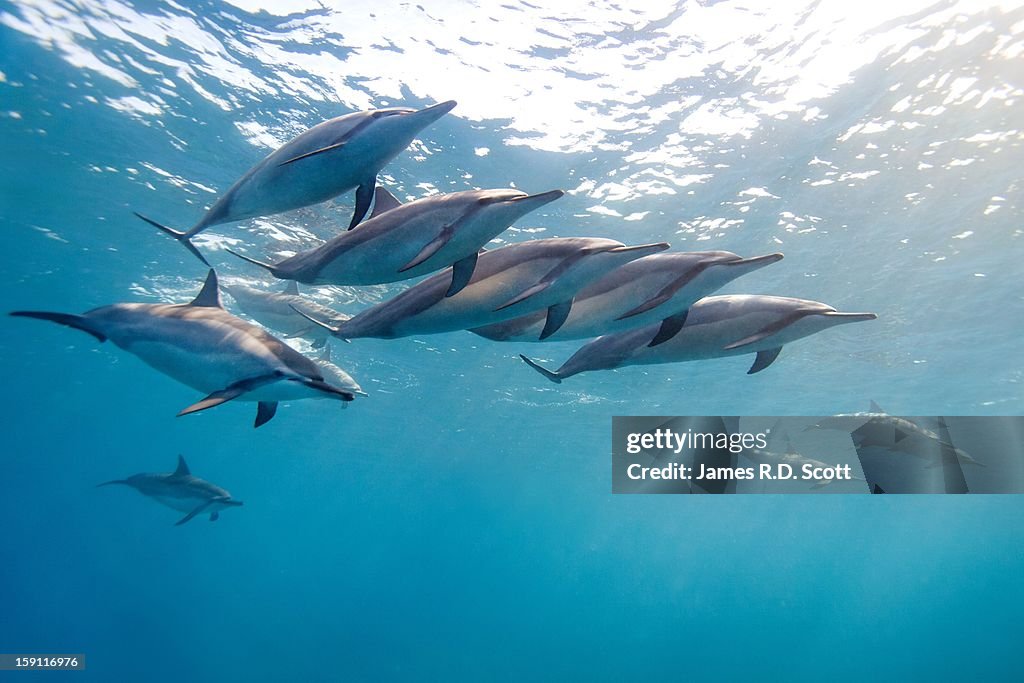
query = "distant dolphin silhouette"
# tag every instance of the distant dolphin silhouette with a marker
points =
(205, 347)
(328, 159)
(276, 310)
(181, 491)
(402, 241)
(649, 289)
(715, 327)
(506, 283)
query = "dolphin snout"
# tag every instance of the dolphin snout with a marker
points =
(436, 111)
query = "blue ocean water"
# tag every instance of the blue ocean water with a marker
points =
(458, 522)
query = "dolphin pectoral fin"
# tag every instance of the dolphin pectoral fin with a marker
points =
(764, 359)
(653, 302)
(383, 201)
(364, 197)
(462, 273)
(557, 315)
(563, 266)
(78, 322)
(230, 392)
(525, 294)
(301, 333)
(431, 248)
(670, 327)
(766, 331)
(189, 516)
(553, 376)
(182, 237)
(214, 516)
(322, 150)
(265, 411)
(115, 481)
(209, 295)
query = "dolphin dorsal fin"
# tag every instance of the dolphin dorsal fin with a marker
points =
(182, 470)
(325, 355)
(209, 295)
(383, 201)
(291, 288)
(875, 408)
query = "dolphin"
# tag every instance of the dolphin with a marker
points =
(879, 429)
(402, 241)
(652, 288)
(506, 283)
(327, 160)
(335, 375)
(715, 327)
(181, 491)
(205, 347)
(276, 310)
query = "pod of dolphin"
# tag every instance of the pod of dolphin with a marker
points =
(640, 306)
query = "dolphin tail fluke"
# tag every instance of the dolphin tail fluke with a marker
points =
(553, 376)
(272, 269)
(185, 238)
(79, 322)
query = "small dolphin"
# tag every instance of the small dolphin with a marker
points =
(276, 310)
(652, 288)
(335, 375)
(506, 283)
(402, 241)
(716, 327)
(328, 159)
(879, 429)
(205, 347)
(181, 491)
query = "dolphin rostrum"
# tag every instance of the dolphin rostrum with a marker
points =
(506, 283)
(335, 375)
(656, 287)
(402, 241)
(205, 347)
(181, 491)
(328, 159)
(276, 310)
(716, 327)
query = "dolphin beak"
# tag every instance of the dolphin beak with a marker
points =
(751, 264)
(535, 201)
(434, 112)
(849, 317)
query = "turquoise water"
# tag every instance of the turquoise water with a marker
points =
(457, 523)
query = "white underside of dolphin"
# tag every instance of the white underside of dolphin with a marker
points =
(205, 347)
(506, 283)
(325, 161)
(715, 327)
(402, 241)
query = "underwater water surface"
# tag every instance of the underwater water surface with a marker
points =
(457, 523)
